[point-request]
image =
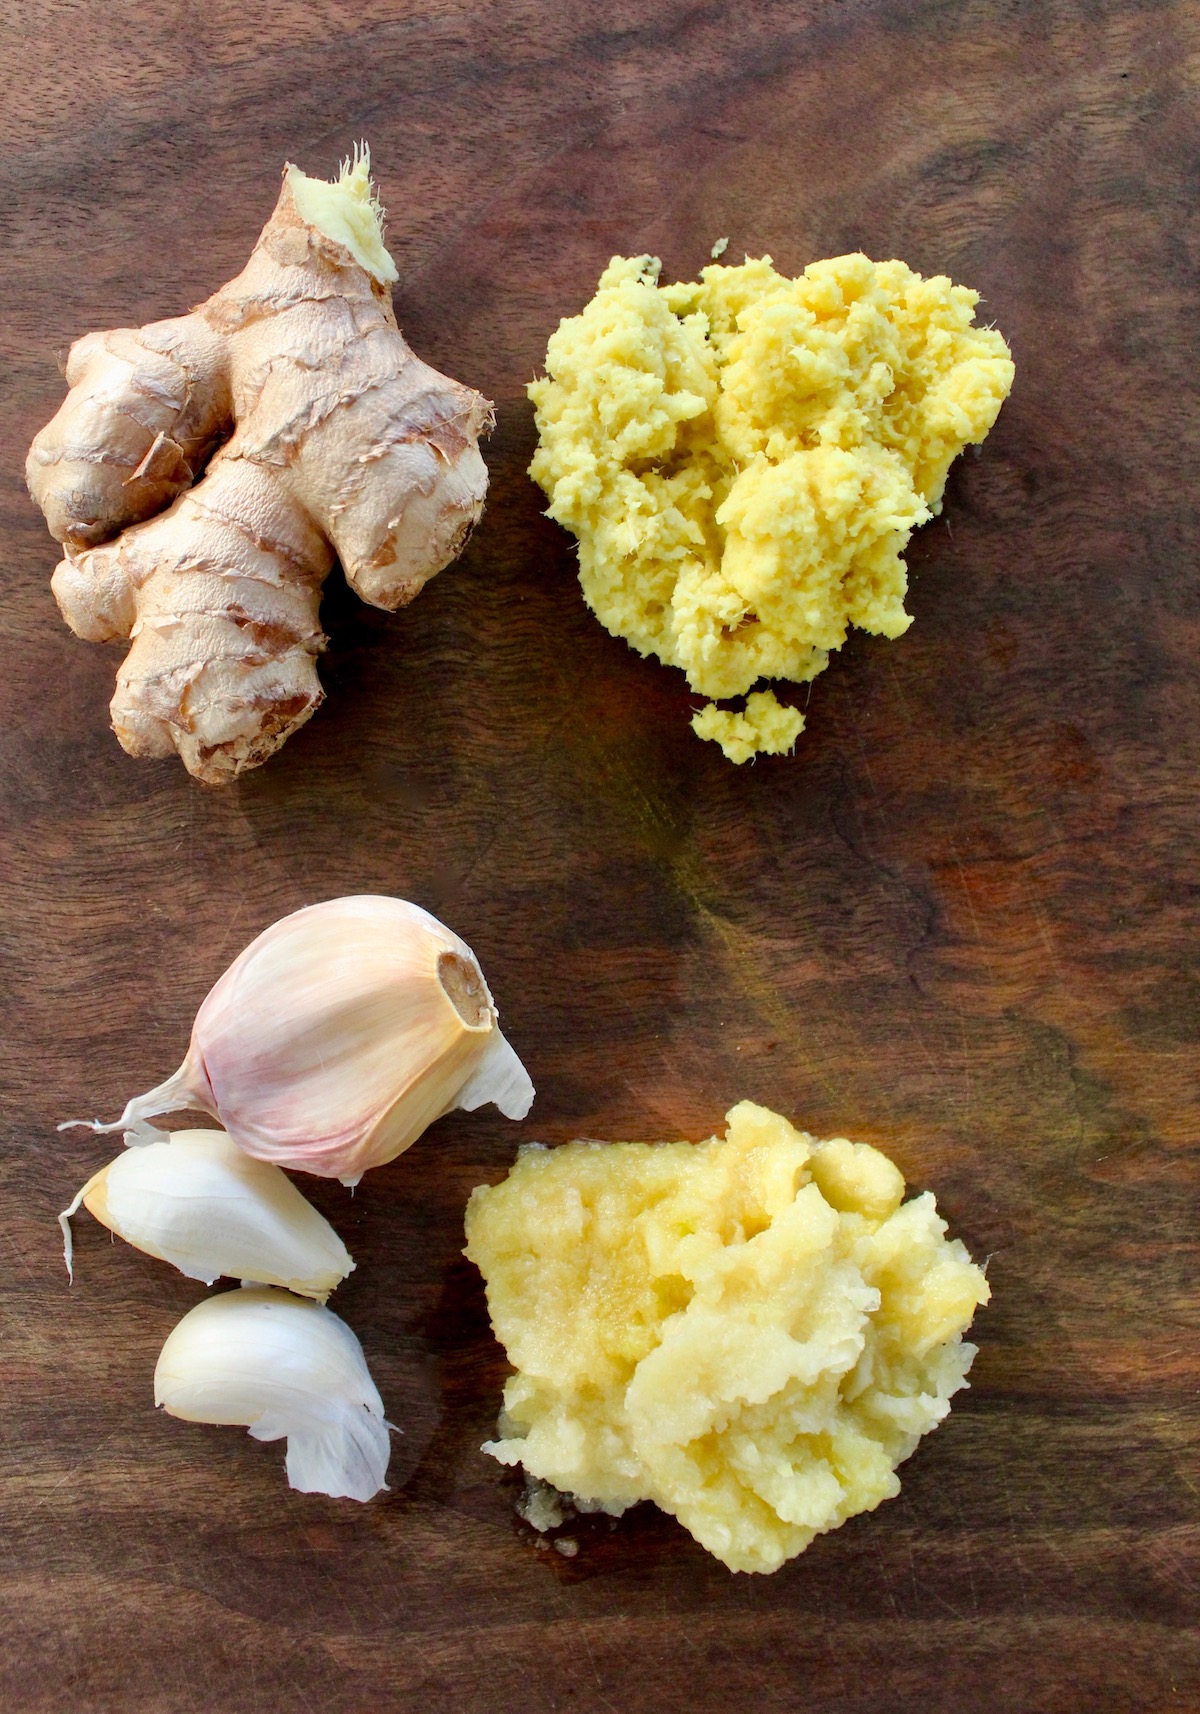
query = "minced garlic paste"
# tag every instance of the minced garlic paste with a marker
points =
(752, 1332)
(744, 457)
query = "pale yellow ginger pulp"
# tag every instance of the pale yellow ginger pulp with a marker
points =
(766, 726)
(348, 211)
(744, 457)
(752, 1332)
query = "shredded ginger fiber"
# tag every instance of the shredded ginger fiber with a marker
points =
(744, 457)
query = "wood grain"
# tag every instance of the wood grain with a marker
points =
(958, 923)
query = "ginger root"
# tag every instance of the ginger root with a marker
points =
(337, 441)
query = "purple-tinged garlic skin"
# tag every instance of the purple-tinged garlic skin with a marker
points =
(337, 1037)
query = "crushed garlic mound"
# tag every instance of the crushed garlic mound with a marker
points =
(752, 1332)
(744, 457)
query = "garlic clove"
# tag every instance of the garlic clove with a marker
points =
(337, 1037)
(199, 1202)
(282, 1367)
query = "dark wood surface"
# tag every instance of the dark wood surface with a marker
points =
(958, 923)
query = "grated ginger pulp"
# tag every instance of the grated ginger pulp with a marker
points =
(744, 457)
(752, 1332)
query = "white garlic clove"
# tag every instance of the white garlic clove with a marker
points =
(282, 1367)
(337, 1037)
(197, 1201)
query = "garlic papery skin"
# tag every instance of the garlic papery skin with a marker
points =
(282, 1367)
(199, 1202)
(337, 1037)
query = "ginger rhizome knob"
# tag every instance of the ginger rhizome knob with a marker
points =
(316, 434)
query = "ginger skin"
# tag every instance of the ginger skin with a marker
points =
(338, 442)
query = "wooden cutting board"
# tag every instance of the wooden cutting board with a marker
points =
(957, 923)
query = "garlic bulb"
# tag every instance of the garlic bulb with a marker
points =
(197, 1201)
(281, 1366)
(337, 1037)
